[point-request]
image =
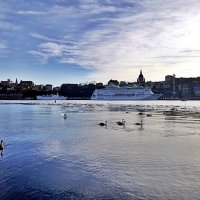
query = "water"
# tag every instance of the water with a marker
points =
(49, 157)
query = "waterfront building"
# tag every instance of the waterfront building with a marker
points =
(6, 83)
(26, 85)
(169, 78)
(38, 88)
(181, 88)
(187, 87)
(56, 89)
(48, 87)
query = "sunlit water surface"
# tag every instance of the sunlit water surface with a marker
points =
(49, 157)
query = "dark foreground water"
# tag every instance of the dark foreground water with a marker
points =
(49, 157)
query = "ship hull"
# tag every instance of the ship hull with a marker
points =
(126, 98)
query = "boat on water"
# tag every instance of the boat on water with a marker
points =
(183, 99)
(113, 92)
(51, 97)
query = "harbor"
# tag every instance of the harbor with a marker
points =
(50, 156)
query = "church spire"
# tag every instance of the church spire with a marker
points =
(16, 82)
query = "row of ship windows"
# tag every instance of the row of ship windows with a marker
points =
(120, 92)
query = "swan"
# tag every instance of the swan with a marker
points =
(103, 124)
(139, 124)
(140, 113)
(1, 146)
(121, 123)
(64, 115)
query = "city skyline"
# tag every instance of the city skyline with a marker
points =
(77, 41)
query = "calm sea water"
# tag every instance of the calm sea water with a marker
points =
(49, 157)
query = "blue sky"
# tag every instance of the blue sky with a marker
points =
(77, 41)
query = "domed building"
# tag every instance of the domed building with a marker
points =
(141, 79)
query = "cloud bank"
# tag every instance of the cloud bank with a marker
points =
(113, 39)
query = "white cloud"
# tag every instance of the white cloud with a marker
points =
(8, 26)
(151, 35)
(42, 57)
(52, 49)
(47, 39)
(3, 49)
(2, 46)
(49, 50)
(31, 12)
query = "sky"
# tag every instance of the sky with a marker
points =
(79, 41)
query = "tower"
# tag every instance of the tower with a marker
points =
(16, 82)
(141, 79)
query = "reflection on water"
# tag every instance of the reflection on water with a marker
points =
(49, 157)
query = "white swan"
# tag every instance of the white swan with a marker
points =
(64, 115)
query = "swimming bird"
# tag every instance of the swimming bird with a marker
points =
(140, 113)
(149, 115)
(1, 146)
(103, 124)
(64, 115)
(139, 124)
(121, 123)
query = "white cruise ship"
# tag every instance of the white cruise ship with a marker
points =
(51, 97)
(113, 92)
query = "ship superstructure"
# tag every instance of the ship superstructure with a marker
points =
(113, 92)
